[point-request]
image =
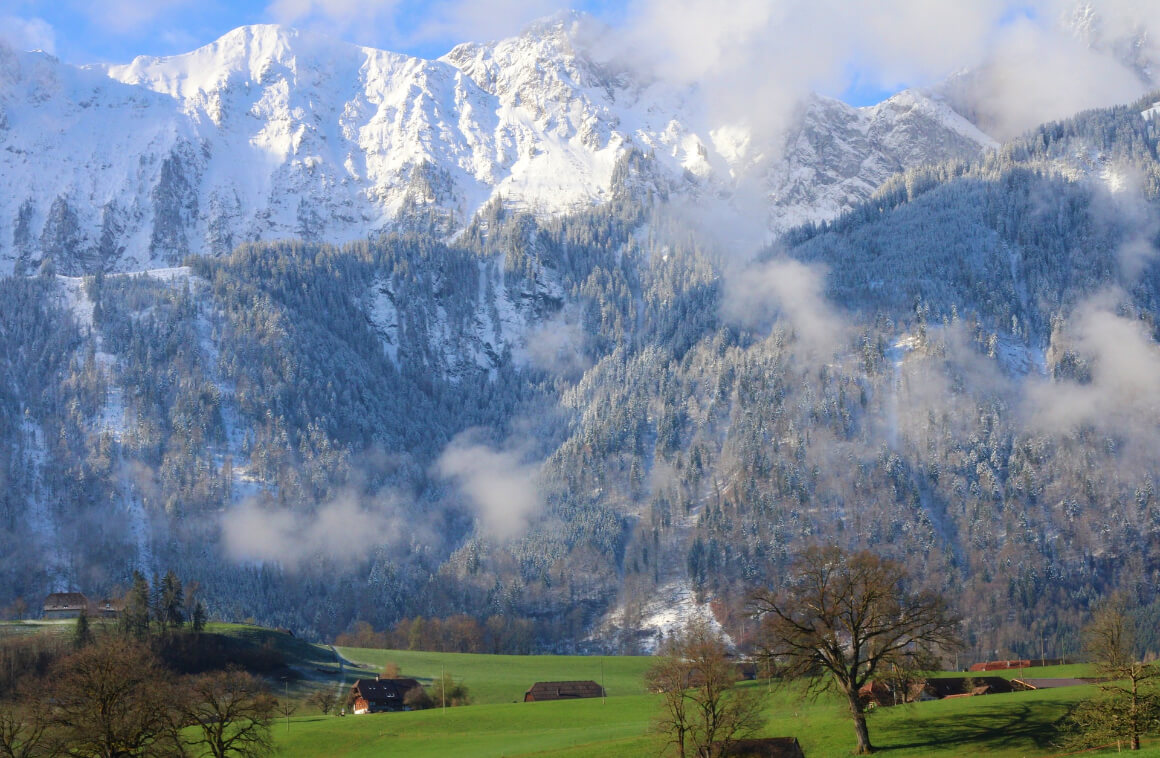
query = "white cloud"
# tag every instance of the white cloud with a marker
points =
(481, 21)
(787, 289)
(557, 346)
(500, 487)
(343, 531)
(1122, 397)
(27, 34)
(1036, 74)
(1034, 61)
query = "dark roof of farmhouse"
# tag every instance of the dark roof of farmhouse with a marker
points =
(564, 690)
(383, 689)
(65, 601)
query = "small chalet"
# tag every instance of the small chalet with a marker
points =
(65, 605)
(379, 695)
(562, 691)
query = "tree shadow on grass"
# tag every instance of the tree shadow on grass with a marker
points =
(995, 727)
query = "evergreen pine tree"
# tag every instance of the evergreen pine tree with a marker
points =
(83, 634)
(135, 618)
(199, 617)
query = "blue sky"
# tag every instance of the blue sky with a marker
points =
(759, 54)
(117, 30)
(84, 31)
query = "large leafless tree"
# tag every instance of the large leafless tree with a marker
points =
(843, 617)
(112, 699)
(703, 711)
(232, 711)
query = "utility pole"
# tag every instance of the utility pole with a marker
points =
(286, 694)
(443, 685)
(603, 694)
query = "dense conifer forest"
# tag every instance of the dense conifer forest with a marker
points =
(929, 376)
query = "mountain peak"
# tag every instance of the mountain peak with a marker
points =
(561, 23)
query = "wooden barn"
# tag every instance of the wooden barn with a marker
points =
(541, 691)
(380, 695)
(65, 605)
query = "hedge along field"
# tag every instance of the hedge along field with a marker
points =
(494, 679)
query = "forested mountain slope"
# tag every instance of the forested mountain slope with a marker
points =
(587, 418)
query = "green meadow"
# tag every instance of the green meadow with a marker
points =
(1016, 724)
(498, 723)
(493, 679)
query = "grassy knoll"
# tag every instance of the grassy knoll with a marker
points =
(296, 652)
(504, 678)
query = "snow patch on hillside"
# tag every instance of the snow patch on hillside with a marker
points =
(671, 608)
(384, 318)
(41, 520)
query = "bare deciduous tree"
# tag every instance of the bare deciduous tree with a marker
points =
(232, 711)
(324, 699)
(703, 712)
(1130, 705)
(844, 617)
(24, 731)
(111, 699)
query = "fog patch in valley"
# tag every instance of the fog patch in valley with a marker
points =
(1112, 382)
(343, 530)
(498, 485)
(760, 293)
(557, 345)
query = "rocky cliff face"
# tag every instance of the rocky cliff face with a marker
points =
(269, 133)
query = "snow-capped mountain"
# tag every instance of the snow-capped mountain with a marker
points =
(272, 133)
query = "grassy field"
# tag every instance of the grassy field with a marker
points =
(493, 679)
(1017, 724)
(500, 724)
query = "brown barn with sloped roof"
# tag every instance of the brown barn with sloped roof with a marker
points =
(562, 691)
(65, 605)
(379, 695)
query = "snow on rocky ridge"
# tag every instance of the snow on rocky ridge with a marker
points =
(271, 133)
